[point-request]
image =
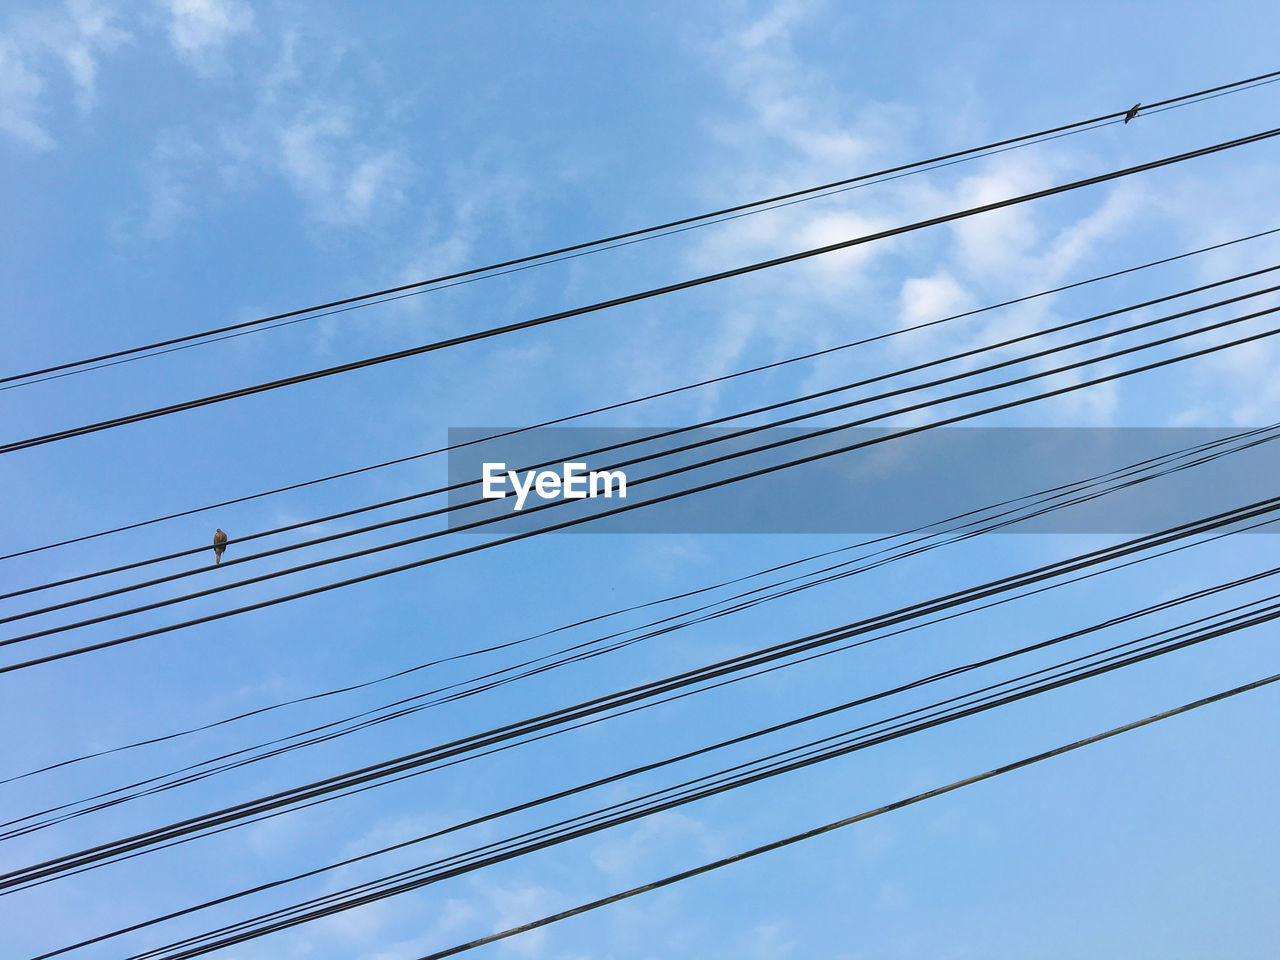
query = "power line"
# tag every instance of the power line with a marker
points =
(371, 774)
(190, 778)
(849, 821)
(989, 773)
(604, 409)
(1206, 452)
(632, 506)
(686, 222)
(784, 761)
(225, 761)
(648, 438)
(183, 406)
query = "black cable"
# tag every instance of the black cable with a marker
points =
(638, 770)
(531, 259)
(614, 406)
(260, 818)
(205, 774)
(635, 694)
(531, 266)
(857, 818)
(786, 760)
(821, 193)
(470, 691)
(569, 523)
(630, 298)
(1255, 436)
(649, 438)
(658, 435)
(636, 505)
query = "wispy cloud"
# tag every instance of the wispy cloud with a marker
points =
(33, 46)
(20, 90)
(169, 181)
(305, 129)
(302, 130)
(320, 153)
(782, 97)
(199, 29)
(626, 856)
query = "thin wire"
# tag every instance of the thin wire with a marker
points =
(839, 745)
(975, 527)
(848, 821)
(207, 773)
(478, 335)
(615, 406)
(646, 439)
(457, 527)
(637, 694)
(686, 222)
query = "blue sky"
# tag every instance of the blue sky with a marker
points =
(177, 165)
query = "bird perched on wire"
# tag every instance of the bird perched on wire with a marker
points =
(1133, 112)
(219, 544)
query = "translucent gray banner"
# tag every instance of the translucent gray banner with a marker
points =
(1129, 480)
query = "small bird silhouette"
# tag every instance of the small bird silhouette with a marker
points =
(1133, 112)
(219, 544)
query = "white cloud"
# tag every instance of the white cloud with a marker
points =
(925, 299)
(780, 93)
(517, 906)
(992, 244)
(794, 127)
(198, 28)
(454, 915)
(314, 142)
(78, 37)
(625, 856)
(75, 36)
(20, 89)
(168, 178)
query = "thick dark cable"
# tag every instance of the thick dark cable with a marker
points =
(821, 194)
(663, 498)
(640, 693)
(938, 717)
(532, 258)
(946, 674)
(649, 438)
(659, 499)
(630, 298)
(974, 527)
(560, 259)
(624, 403)
(539, 737)
(648, 705)
(407, 710)
(848, 821)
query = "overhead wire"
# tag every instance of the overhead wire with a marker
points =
(1128, 475)
(691, 222)
(648, 437)
(638, 694)
(1071, 747)
(784, 761)
(49, 631)
(603, 409)
(474, 336)
(185, 777)
(848, 821)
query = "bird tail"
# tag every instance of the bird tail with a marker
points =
(217, 557)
